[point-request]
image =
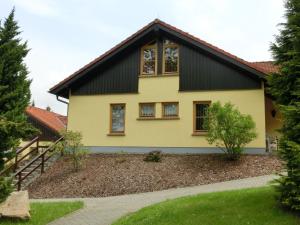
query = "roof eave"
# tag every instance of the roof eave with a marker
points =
(154, 26)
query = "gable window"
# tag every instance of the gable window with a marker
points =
(148, 59)
(147, 110)
(170, 109)
(200, 114)
(170, 57)
(117, 115)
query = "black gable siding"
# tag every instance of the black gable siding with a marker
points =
(202, 72)
(119, 76)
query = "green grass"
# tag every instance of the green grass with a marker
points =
(43, 213)
(243, 207)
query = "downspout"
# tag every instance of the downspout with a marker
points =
(60, 100)
(67, 103)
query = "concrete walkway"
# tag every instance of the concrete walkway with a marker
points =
(104, 211)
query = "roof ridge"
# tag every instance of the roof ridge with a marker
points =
(45, 110)
(247, 63)
(164, 24)
(266, 61)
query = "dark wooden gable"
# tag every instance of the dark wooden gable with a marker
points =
(200, 71)
(201, 68)
(118, 76)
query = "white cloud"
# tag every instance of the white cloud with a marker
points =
(38, 7)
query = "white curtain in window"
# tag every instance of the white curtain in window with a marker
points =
(170, 110)
(147, 110)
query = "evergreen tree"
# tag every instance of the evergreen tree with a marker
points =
(14, 88)
(285, 87)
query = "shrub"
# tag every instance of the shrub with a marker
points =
(229, 129)
(5, 188)
(153, 156)
(72, 146)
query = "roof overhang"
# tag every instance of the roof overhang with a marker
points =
(155, 27)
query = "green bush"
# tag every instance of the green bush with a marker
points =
(5, 188)
(228, 129)
(154, 156)
(71, 146)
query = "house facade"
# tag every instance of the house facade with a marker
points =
(151, 92)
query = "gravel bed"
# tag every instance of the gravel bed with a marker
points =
(118, 174)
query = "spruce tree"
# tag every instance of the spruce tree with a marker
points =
(14, 88)
(285, 87)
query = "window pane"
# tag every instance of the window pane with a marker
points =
(168, 42)
(170, 109)
(118, 118)
(199, 123)
(201, 109)
(201, 113)
(147, 110)
(171, 59)
(149, 61)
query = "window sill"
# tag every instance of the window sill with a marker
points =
(159, 75)
(116, 134)
(203, 133)
(162, 118)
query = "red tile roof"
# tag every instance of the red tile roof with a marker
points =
(266, 66)
(257, 66)
(53, 120)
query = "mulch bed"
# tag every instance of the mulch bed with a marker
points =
(118, 174)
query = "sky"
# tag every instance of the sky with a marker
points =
(65, 35)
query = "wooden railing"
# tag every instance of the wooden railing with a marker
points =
(19, 156)
(44, 158)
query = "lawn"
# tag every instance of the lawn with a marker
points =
(249, 206)
(43, 213)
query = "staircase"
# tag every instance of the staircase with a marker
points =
(32, 172)
(27, 167)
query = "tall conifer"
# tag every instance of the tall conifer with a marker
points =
(285, 87)
(14, 88)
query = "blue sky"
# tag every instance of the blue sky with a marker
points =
(66, 35)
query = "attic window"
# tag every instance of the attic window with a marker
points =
(148, 59)
(170, 57)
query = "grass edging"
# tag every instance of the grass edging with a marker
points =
(255, 206)
(43, 213)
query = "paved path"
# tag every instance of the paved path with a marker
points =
(103, 211)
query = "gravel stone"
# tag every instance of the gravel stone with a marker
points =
(117, 174)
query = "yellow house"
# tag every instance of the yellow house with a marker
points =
(151, 91)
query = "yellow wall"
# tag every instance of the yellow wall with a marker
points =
(272, 123)
(91, 115)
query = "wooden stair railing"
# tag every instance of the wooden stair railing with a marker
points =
(41, 156)
(19, 157)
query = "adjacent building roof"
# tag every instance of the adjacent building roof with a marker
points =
(258, 68)
(266, 66)
(52, 120)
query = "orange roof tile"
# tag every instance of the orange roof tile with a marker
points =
(53, 120)
(266, 66)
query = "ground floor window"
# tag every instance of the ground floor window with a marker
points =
(200, 113)
(117, 116)
(170, 109)
(147, 110)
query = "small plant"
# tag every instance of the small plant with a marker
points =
(72, 146)
(153, 156)
(5, 188)
(229, 129)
